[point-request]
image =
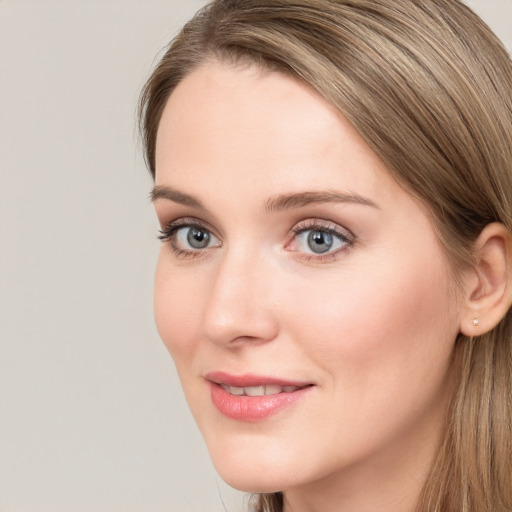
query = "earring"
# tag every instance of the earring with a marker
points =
(475, 321)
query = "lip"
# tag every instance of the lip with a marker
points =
(252, 408)
(247, 379)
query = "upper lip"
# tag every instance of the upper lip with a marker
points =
(247, 380)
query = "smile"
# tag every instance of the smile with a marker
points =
(268, 389)
(251, 398)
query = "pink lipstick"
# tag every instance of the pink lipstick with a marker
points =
(253, 398)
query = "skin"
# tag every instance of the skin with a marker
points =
(372, 325)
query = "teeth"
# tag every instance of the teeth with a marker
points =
(269, 389)
(272, 389)
(254, 390)
(236, 391)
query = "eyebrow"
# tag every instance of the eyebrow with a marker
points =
(275, 204)
(300, 199)
(171, 194)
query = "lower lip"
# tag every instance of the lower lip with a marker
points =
(253, 408)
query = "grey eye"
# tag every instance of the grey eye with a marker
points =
(193, 238)
(198, 238)
(319, 241)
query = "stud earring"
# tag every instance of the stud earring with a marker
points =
(475, 321)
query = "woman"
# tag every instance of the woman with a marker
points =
(333, 180)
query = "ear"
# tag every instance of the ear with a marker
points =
(488, 288)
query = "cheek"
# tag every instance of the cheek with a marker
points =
(389, 323)
(175, 306)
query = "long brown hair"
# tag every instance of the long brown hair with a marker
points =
(429, 88)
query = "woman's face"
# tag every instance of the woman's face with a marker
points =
(294, 265)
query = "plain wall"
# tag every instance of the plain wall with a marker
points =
(91, 413)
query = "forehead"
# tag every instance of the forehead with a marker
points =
(241, 126)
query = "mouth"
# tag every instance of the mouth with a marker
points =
(264, 390)
(253, 398)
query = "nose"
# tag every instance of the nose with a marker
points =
(240, 306)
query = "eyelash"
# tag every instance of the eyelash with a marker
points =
(345, 236)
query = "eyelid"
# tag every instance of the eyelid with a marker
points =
(180, 222)
(322, 224)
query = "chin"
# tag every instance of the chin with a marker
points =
(247, 480)
(249, 483)
(256, 467)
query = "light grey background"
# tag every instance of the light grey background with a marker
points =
(91, 414)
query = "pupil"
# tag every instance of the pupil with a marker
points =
(198, 238)
(319, 241)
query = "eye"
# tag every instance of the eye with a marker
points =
(188, 238)
(317, 239)
(193, 237)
